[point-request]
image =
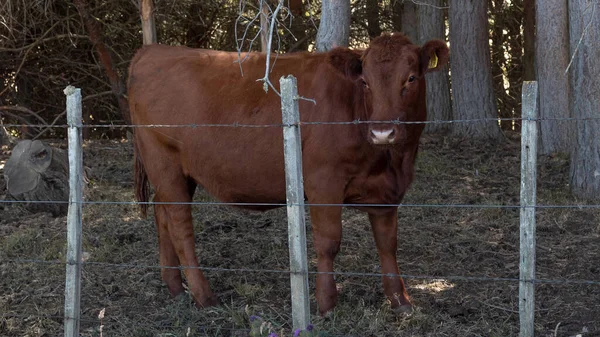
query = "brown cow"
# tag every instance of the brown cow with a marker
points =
(358, 163)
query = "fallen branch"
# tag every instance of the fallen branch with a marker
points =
(22, 109)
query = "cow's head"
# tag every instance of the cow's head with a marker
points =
(390, 74)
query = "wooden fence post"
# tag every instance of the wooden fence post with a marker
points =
(73, 263)
(295, 202)
(529, 139)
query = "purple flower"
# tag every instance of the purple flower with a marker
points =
(272, 334)
(254, 318)
(297, 332)
(310, 327)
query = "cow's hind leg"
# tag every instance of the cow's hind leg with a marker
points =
(176, 188)
(171, 275)
(385, 229)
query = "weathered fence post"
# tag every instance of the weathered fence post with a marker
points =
(292, 146)
(73, 273)
(529, 139)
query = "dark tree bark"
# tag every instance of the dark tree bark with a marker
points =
(528, 40)
(410, 20)
(95, 33)
(298, 26)
(499, 62)
(397, 15)
(554, 87)
(373, 27)
(472, 89)
(584, 24)
(439, 105)
(334, 28)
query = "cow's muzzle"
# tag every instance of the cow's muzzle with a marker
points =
(385, 135)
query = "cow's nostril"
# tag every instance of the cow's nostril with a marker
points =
(382, 137)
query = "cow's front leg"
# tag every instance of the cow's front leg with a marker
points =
(385, 229)
(327, 235)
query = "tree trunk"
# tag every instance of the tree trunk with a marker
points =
(298, 26)
(439, 105)
(499, 62)
(472, 89)
(584, 18)
(116, 84)
(373, 27)
(397, 15)
(148, 26)
(334, 29)
(553, 57)
(410, 21)
(514, 63)
(264, 25)
(528, 40)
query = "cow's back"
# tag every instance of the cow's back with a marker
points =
(182, 86)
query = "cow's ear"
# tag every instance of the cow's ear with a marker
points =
(346, 61)
(434, 55)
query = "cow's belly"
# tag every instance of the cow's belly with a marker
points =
(238, 167)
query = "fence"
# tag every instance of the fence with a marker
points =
(295, 206)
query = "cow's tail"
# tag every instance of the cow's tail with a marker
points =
(140, 181)
(140, 177)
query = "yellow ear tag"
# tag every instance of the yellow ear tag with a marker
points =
(433, 61)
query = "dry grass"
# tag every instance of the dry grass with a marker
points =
(434, 241)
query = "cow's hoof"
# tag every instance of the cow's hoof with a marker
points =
(327, 314)
(207, 302)
(404, 309)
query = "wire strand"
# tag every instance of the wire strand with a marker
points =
(288, 272)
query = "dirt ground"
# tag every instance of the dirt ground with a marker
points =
(121, 274)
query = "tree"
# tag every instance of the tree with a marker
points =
(472, 90)
(298, 27)
(528, 40)
(116, 83)
(410, 20)
(552, 50)
(148, 25)
(506, 54)
(373, 27)
(439, 105)
(405, 18)
(264, 25)
(584, 24)
(334, 28)
(397, 15)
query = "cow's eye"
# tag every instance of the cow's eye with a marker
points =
(411, 79)
(365, 84)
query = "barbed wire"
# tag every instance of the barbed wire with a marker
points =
(335, 273)
(282, 204)
(279, 125)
